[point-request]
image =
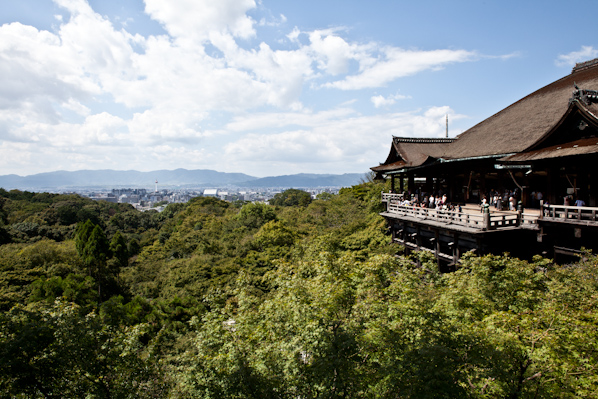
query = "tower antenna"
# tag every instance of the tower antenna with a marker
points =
(447, 126)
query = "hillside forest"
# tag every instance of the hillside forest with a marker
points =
(298, 298)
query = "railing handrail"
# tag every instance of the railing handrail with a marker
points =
(489, 221)
(387, 196)
(568, 212)
(570, 206)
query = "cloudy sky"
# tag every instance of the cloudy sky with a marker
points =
(265, 87)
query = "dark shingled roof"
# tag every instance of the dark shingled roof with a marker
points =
(410, 152)
(574, 148)
(522, 124)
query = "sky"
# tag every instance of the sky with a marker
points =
(265, 87)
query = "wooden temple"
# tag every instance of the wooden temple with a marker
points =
(540, 153)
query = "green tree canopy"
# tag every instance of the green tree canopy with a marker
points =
(61, 352)
(254, 215)
(291, 197)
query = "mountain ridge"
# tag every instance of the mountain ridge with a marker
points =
(182, 178)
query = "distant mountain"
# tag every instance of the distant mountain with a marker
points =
(303, 180)
(119, 178)
(95, 179)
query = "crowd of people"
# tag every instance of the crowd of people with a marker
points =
(438, 202)
(505, 200)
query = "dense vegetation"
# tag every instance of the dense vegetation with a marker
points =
(298, 299)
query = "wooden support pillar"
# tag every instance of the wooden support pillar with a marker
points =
(418, 242)
(592, 186)
(401, 185)
(455, 247)
(451, 190)
(551, 195)
(411, 183)
(479, 248)
(583, 182)
(482, 185)
(429, 188)
(437, 247)
(392, 183)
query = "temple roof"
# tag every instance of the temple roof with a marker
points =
(523, 126)
(410, 152)
(573, 148)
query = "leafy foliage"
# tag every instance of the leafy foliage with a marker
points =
(212, 299)
(291, 197)
(61, 352)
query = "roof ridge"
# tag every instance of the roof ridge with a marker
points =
(423, 139)
(581, 66)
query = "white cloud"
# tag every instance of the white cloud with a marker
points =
(586, 53)
(381, 101)
(334, 53)
(281, 20)
(267, 121)
(395, 63)
(332, 139)
(191, 21)
(166, 125)
(16, 156)
(278, 75)
(294, 35)
(76, 107)
(36, 71)
(371, 65)
(88, 93)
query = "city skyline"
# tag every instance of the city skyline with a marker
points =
(264, 88)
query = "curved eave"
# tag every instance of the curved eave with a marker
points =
(573, 149)
(384, 168)
(574, 106)
(430, 162)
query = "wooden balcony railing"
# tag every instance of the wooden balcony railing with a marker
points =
(470, 217)
(392, 197)
(570, 214)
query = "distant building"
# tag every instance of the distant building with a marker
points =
(104, 197)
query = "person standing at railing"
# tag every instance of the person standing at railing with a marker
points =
(539, 197)
(580, 202)
(546, 206)
(483, 204)
(567, 201)
(512, 203)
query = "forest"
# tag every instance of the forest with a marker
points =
(299, 298)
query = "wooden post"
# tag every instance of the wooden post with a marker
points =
(401, 188)
(541, 209)
(456, 254)
(437, 247)
(486, 210)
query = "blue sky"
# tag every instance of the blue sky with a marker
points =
(265, 87)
